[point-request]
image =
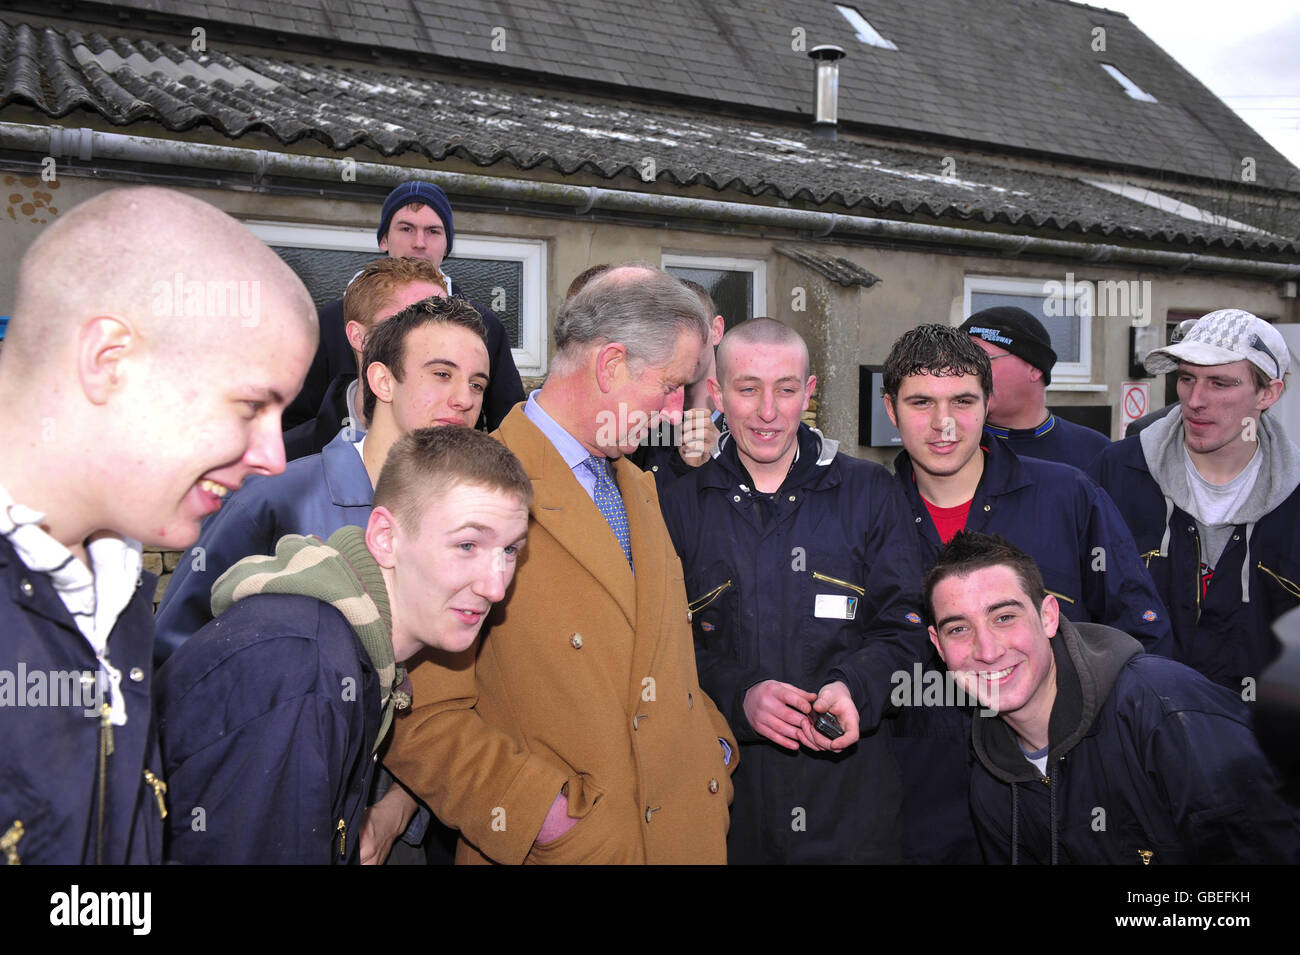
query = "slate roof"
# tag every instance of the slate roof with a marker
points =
(137, 84)
(1017, 74)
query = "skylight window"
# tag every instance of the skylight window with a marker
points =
(865, 31)
(1131, 88)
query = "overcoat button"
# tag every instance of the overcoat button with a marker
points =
(791, 498)
(918, 520)
(690, 701)
(576, 641)
(25, 586)
(648, 812)
(987, 507)
(713, 785)
(136, 674)
(736, 498)
(689, 616)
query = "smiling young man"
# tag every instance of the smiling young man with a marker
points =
(1212, 495)
(272, 716)
(956, 476)
(415, 221)
(154, 343)
(1144, 760)
(804, 578)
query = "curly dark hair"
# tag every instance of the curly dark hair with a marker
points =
(939, 350)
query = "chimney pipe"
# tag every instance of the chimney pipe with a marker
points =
(826, 90)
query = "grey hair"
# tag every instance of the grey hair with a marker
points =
(642, 307)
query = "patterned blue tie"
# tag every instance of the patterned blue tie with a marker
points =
(610, 503)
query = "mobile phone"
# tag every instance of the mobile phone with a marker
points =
(827, 725)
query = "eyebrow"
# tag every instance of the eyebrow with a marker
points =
(1009, 602)
(929, 397)
(470, 526)
(451, 364)
(754, 378)
(267, 394)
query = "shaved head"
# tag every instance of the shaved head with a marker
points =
(154, 344)
(759, 331)
(169, 264)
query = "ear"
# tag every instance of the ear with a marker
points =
(715, 393)
(381, 534)
(1035, 374)
(1269, 395)
(808, 390)
(889, 410)
(610, 357)
(380, 380)
(356, 334)
(934, 638)
(104, 344)
(717, 329)
(1051, 615)
(383, 244)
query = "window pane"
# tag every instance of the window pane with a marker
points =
(1063, 329)
(732, 292)
(490, 282)
(325, 272)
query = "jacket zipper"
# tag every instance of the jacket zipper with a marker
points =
(699, 603)
(1059, 596)
(342, 830)
(105, 751)
(1146, 855)
(159, 790)
(861, 591)
(9, 842)
(1149, 554)
(1196, 573)
(1290, 586)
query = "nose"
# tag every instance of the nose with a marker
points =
(767, 408)
(672, 409)
(495, 578)
(462, 397)
(265, 453)
(1196, 396)
(985, 648)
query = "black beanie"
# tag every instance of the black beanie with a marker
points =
(1018, 332)
(416, 191)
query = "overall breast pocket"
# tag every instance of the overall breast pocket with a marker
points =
(712, 599)
(27, 825)
(833, 611)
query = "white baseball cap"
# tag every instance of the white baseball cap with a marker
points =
(1221, 338)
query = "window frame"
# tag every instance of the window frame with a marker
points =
(530, 356)
(1065, 372)
(723, 263)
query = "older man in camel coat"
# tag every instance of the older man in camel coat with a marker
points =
(578, 732)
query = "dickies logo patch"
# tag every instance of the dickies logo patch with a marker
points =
(705, 625)
(913, 617)
(1149, 616)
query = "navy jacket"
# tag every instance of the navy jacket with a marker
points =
(334, 357)
(313, 435)
(1054, 440)
(315, 495)
(1066, 523)
(49, 757)
(1149, 762)
(1214, 633)
(268, 717)
(755, 566)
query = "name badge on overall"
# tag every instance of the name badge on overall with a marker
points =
(835, 607)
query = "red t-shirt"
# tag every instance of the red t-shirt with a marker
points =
(948, 520)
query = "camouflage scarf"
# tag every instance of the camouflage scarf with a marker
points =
(342, 573)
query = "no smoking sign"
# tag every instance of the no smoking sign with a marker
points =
(1134, 403)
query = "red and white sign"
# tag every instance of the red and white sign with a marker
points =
(1134, 403)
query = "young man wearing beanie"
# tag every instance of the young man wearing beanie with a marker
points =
(1212, 495)
(1021, 352)
(1091, 751)
(272, 717)
(416, 220)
